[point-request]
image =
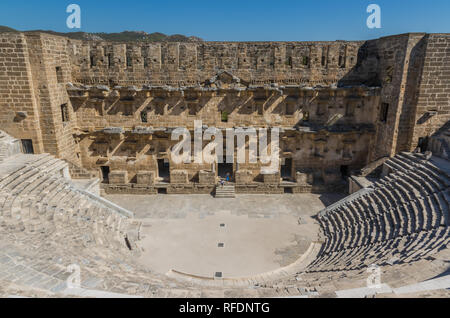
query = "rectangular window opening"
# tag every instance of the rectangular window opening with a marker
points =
(384, 112)
(64, 113)
(144, 117)
(341, 61)
(224, 116)
(59, 74)
(305, 60)
(27, 146)
(93, 61)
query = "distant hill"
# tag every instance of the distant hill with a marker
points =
(6, 29)
(126, 36)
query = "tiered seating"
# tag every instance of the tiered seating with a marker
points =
(34, 196)
(41, 260)
(404, 218)
(47, 224)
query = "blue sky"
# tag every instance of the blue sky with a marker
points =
(235, 20)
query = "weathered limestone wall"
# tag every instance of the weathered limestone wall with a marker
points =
(412, 71)
(322, 153)
(112, 106)
(51, 71)
(414, 67)
(32, 92)
(19, 109)
(384, 62)
(433, 95)
(179, 64)
(117, 108)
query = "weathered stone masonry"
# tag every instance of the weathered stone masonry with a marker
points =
(109, 108)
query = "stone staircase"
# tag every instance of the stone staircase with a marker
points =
(225, 191)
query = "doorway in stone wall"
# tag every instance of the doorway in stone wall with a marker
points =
(423, 144)
(345, 172)
(286, 169)
(105, 173)
(164, 169)
(225, 169)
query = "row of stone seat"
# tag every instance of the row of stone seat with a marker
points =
(411, 202)
(416, 180)
(383, 227)
(36, 197)
(27, 164)
(423, 165)
(402, 249)
(355, 223)
(47, 265)
(2, 152)
(391, 193)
